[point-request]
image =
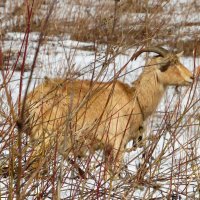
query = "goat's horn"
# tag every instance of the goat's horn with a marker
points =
(159, 50)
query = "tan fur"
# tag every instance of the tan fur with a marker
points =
(110, 114)
(198, 71)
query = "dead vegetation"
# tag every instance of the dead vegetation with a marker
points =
(125, 22)
(167, 166)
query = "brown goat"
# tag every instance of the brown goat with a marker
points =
(99, 115)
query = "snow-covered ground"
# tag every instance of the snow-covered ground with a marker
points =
(175, 158)
(57, 55)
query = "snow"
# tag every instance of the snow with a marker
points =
(53, 61)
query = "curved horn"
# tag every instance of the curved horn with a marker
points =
(159, 50)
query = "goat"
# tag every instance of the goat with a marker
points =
(101, 115)
(198, 72)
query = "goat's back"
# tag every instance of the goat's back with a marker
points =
(101, 109)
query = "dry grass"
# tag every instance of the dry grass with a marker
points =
(171, 162)
(126, 22)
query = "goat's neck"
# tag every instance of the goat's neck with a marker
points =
(148, 93)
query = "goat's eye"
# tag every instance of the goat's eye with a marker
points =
(164, 67)
(165, 63)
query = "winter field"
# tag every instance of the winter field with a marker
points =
(92, 39)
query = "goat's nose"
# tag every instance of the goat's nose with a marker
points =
(192, 77)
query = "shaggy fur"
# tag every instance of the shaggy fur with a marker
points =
(97, 115)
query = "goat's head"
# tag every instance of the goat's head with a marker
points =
(169, 69)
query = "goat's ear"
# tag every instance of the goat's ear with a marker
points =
(180, 54)
(164, 64)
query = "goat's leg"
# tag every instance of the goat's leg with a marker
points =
(118, 155)
(114, 160)
(108, 161)
(139, 140)
(34, 158)
(40, 148)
